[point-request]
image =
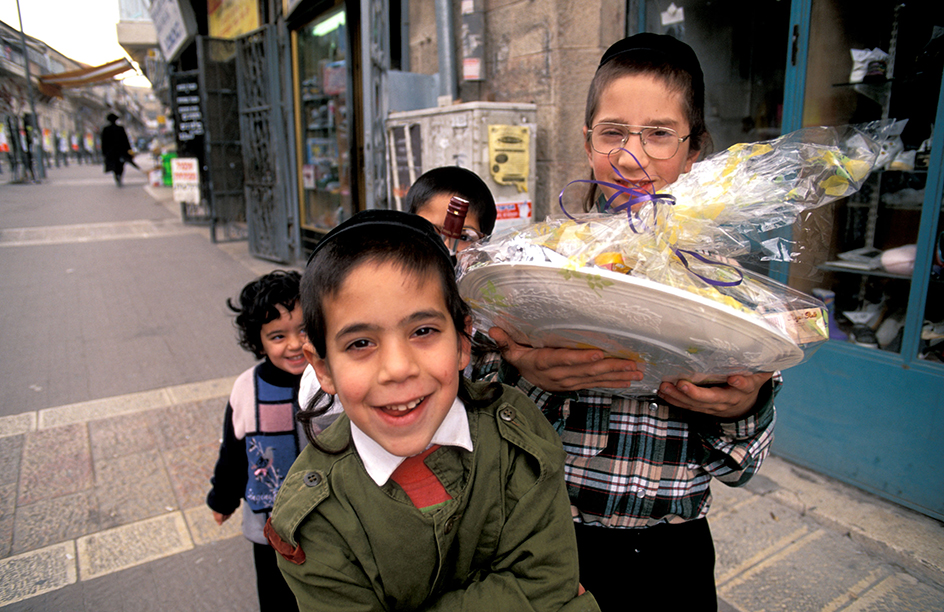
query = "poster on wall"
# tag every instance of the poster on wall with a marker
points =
(232, 18)
(512, 214)
(406, 158)
(308, 176)
(509, 154)
(188, 115)
(335, 78)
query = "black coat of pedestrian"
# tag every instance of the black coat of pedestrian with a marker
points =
(115, 147)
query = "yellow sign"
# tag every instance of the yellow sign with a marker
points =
(232, 18)
(509, 154)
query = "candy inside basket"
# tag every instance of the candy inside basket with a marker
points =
(656, 278)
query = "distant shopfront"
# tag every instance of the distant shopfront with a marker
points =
(324, 118)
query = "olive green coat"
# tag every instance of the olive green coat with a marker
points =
(505, 541)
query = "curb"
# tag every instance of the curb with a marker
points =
(904, 537)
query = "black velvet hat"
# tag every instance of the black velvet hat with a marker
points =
(392, 220)
(660, 48)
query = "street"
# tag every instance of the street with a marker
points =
(114, 319)
(119, 354)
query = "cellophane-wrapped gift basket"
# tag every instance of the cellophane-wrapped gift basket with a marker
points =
(655, 279)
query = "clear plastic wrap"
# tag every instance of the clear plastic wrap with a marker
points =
(659, 285)
(737, 196)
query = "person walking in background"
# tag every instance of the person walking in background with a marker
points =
(260, 438)
(62, 149)
(116, 147)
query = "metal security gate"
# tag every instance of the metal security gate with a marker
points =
(375, 54)
(221, 142)
(267, 176)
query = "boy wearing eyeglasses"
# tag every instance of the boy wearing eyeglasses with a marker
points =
(638, 472)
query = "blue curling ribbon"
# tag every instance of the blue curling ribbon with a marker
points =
(703, 259)
(641, 196)
(635, 196)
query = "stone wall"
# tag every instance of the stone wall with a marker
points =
(536, 51)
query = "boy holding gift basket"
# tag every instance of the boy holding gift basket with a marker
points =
(638, 471)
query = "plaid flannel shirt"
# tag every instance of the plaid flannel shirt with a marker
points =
(633, 464)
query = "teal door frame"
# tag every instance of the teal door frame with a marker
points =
(870, 418)
(867, 417)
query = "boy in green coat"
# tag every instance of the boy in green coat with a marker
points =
(430, 493)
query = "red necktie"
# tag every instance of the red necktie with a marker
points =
(419, 482)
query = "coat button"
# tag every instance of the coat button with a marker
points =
(507, 414)
(653, 406)
(312, 479)
(450, 523)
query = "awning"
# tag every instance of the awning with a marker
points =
(84, 76)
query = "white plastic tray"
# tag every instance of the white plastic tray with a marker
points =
(675, 334)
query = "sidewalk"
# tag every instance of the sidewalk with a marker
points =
(101, 500)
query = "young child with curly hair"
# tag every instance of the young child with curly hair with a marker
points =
(260, 436)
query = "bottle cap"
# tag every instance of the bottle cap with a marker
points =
(455, 217)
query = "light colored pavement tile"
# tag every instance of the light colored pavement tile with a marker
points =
(748, 532)
(130, 545)
(37, 572)
(103, 408)
(92, 232)
(209, 389)
(7, 510)
(199, 422)
(818, 568)
(895, 532)
(17, 424)
(190, 469)
(898, 593)
(120, 436)
(205, 530)
(11, 453)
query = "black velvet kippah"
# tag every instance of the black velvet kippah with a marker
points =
(394, 220)
(674, 50)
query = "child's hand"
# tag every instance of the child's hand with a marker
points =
(220, 518)
(559, 369)
(731, 400)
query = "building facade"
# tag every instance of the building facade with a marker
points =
(68, 119)
(327, 93)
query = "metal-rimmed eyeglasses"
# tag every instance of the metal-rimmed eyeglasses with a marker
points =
(657, 142)
(467, 237)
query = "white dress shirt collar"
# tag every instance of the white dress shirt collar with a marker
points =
(454, 431)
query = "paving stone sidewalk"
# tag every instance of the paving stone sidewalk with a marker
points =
(100, 495)
(92, 489)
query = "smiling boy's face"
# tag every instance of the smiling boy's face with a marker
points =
(640, 100)
(393, 355)
(282, 340)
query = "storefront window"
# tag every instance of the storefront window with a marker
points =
(323, 122)
(863, 68)
(742, 51)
